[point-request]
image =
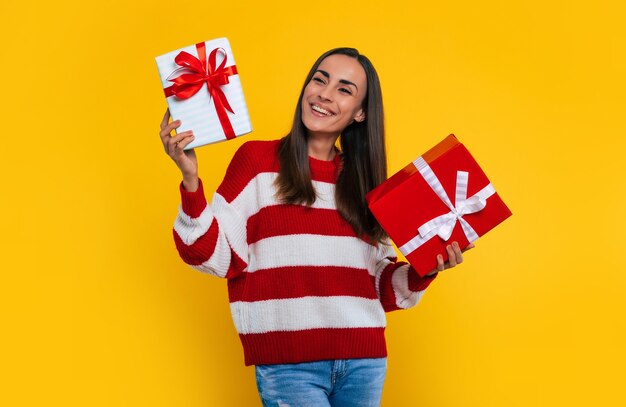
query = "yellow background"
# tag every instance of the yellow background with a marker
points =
(98, 310)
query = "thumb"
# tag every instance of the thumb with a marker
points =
(470, 246)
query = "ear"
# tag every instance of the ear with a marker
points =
(360, 116)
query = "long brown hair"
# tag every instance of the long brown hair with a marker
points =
(363, 152)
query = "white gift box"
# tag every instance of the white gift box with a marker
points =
(206, 111)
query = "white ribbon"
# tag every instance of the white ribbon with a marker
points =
(443, 225)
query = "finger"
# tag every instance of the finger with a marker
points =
(166, 118)
(184, 142)
(457, 252)
(174, 141)
(172, 144)
(470, 246)
(451, 256)
(440, 265)
(167, 130)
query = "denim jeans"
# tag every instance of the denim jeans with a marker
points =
(341, 383)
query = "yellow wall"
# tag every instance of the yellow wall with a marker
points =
(98, 310)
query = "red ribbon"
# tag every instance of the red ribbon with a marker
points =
(197, 73)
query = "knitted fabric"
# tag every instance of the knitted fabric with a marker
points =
(302, 286)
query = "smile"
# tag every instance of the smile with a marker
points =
(321, 110)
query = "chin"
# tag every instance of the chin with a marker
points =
(316, 127)
(319, 129)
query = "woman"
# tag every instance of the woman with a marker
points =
(310, 271)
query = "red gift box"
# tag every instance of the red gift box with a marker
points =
(441, 197)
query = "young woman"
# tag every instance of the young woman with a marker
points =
(310, 272)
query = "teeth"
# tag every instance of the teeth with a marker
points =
(320, 110)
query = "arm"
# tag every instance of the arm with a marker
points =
(397, 283)
(210, 238)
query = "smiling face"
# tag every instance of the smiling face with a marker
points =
(334, 97)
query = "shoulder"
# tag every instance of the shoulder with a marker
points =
(254, 149)
(259, 155)
(250, 159)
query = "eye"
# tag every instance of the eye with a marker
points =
(345, 90)
(318, 79)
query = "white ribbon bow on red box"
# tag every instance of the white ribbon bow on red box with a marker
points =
(443, 225)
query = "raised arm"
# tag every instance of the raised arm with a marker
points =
(209, 237)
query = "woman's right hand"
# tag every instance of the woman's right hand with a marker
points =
(174, 147)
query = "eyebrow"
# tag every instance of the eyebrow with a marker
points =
(344, 81)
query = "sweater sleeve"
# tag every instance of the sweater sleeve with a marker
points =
(212, 237)
(397, 283)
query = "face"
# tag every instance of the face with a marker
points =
(333, 98)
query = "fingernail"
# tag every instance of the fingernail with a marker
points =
(456, 245)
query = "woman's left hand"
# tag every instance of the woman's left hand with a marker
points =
(455, 256)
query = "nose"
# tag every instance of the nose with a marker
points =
(324, 94)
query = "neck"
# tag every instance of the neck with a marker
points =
(322, 147)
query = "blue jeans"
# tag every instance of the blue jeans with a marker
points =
(341, 383)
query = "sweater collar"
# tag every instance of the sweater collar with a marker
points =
(325, 169)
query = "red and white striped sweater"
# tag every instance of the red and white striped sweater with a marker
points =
(302, 286)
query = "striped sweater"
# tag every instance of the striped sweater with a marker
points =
(302, 286)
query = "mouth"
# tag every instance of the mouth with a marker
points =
(321, 111)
